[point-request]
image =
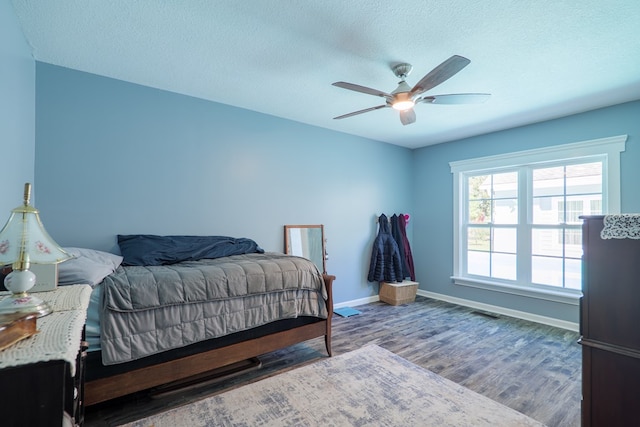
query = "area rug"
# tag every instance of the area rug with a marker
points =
(366, 387)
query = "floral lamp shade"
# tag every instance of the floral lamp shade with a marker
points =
(27, 235)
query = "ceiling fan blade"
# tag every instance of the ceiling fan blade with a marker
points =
(441, 73)
(366, 110)
(362, 89)
(456, 98)
(407, 116)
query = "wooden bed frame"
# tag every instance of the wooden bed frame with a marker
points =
(103, 389)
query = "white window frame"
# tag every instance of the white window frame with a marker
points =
(608, 149)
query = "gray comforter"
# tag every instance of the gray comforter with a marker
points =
(147, 310)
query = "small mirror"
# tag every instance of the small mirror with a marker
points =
(306, 241)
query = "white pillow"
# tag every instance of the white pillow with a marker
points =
(88, 266)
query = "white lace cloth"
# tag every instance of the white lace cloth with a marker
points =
(59, 332)
(621, 226)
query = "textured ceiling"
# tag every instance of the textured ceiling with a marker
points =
(539, 59)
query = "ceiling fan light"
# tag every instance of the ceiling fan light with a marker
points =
(402, 101)
(403, 105)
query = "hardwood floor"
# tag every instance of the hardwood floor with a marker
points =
(532, 368)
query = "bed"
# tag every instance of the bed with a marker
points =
(174, 307)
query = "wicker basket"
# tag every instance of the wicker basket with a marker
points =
(398, 293)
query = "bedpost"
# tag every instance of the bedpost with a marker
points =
(328, 282)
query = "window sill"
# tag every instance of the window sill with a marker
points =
(564, 296)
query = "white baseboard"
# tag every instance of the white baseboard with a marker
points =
(563, 324)
(357, 302)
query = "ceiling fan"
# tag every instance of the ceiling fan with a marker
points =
(404, 98)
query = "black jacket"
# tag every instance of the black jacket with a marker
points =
(385, 264)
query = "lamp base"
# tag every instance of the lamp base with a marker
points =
(24, 303)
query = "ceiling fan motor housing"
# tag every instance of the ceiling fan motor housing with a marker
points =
(402, 99)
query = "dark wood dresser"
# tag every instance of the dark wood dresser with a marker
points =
(610, 327)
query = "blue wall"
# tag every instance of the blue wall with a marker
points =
(17, 111)
(118, 158)
(433, 204)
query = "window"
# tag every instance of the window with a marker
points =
(556, 237)
(492, 206)
(517, 224)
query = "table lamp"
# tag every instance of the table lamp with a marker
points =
(24, 241)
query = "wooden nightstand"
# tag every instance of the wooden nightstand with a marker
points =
(42, 376)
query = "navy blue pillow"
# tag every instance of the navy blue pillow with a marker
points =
(146, 249)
